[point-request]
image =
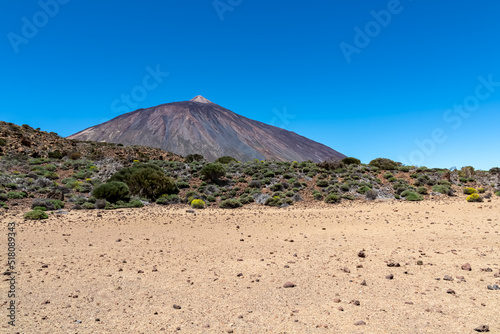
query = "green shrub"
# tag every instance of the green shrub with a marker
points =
(422, 190)
(463, 180)
(88, 206)
(443, 189)
(3, 142)
(317, 196)
(213, 171)
(332, 198)
(475, 197)
(274, 201)
(469, 191)
(277, 187)
(230, 204)
(225, 160)
(16, 195)
(51, 176)
(111, 191)
(182, 184)
(322, 183)
(497, 193)
(410, 195)
(35, 215)
(481, 190)
(363, 189)
(384, 164)
(151, 183)
(388, 175)
(351, 161)
(170, 199)
(392, 179)
(55, 155)
(3, 205)
(194, 157)
(135, 203)
(246, 199)
(47, 204)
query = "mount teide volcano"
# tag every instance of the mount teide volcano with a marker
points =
(200, 126)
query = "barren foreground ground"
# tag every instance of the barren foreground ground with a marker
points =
(122, 271)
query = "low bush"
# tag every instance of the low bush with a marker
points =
(55, 155)
(194, 157)
(35, 215)
(225, 160)
(273, 201)
(197, 204)
(371, 194)
(481, 190)
(474, 198)
(384, 164)
(422, 190)
(351, 161)
(51, 175)
(317, 196)
(3, 205)
(255, 184)
(497, 193)
(170, 199)
(332, 198)
(213, 171)
(277, 187)
(111, 191)
(88, 206)
(47, 204)
(410, 195)
(16, 195)
(443, 189)
(322, 183)
(230, 204)
(469, 191)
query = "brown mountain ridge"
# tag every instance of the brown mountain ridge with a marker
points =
(203, 127)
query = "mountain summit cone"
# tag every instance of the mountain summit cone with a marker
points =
(203, 127)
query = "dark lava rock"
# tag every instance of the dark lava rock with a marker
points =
(482, 329)
(362, 254)
(448, 278)
(390, 276)
(359, 323)
(450, 291)
(177, 307)
(289, 285)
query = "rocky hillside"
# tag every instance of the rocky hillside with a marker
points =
(28, 142)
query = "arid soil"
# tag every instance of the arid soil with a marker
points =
(224, 270)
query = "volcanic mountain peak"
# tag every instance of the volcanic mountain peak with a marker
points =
(200, 99)
(202, 127)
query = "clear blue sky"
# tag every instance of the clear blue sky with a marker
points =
(300, 65)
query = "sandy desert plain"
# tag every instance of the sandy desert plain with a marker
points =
(356, 267)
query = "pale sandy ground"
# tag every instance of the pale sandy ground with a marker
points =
(103, 268)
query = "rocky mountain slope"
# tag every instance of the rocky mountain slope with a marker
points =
(200, 126)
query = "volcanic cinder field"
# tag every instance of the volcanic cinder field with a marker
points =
(357, 267)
